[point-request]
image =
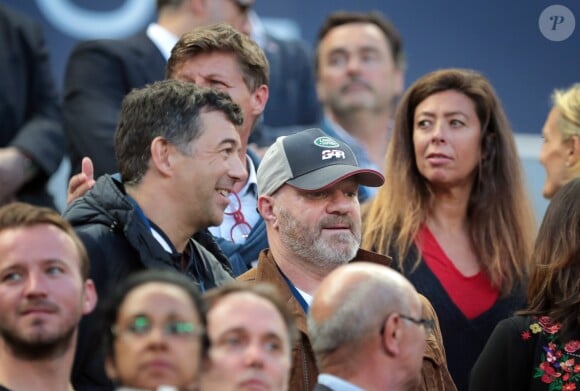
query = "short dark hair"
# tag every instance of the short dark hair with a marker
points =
(223, 38)
(340, 18)
(170, 109)
(20, 214)
(110, 307)
(264, 290)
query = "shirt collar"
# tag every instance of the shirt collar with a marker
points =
(252, 182)
(162, 38)
(342, 133)
(336, 383)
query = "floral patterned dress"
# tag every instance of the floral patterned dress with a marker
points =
(527, 354)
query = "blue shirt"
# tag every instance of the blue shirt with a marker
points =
(336, 383)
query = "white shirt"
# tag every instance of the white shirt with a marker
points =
(307, 298)
(163, 39)
(336, 383)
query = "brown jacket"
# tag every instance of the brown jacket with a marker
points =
(304, 373)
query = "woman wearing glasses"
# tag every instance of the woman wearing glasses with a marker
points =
(453, 212)
(154, 332)
(540, 348)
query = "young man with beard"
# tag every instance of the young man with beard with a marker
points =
(308, 185)
(44, 291)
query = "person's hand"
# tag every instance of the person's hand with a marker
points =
(82, 182)
(15, 170)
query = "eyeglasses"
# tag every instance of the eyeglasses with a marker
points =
(141, 326)
(241, 229)
(428, 324)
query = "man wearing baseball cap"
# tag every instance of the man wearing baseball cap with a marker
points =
(307, 195)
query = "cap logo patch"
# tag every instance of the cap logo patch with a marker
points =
(326, 142)
(330, 153)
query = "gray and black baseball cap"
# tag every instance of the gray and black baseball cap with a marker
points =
(311, 160)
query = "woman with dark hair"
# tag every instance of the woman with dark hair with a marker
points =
(453, 212)
(154, 327)
(539, 349)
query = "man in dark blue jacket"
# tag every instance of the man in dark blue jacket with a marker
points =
(178, 150)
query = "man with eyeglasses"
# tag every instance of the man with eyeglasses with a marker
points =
(308, 186)
(382, 349)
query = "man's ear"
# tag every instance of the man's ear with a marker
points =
(391, 338)
(89, 297)
(162, 155)
(259, 99)
(266, 208)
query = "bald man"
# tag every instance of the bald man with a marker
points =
(367, 330)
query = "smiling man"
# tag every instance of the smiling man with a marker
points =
(178, 153)
(44, 291)
(220, 57)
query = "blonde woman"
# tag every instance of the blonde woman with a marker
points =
(560, 154)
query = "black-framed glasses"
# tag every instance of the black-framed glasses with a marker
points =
(141, 326)
(241, 229)
(428, 324)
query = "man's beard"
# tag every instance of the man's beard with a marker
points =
(38, 347)
(308, 243)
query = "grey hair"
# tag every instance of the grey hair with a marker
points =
(369, 302)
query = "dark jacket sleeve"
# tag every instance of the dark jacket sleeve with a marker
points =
(30, 111)
(506, 361)
(41, 134)
(94, 88)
